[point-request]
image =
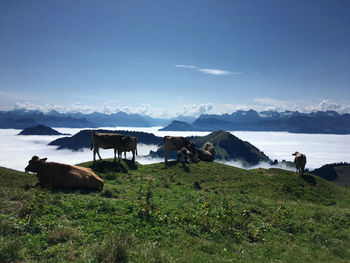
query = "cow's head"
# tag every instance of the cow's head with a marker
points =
(295, 153)
(209, 147)
(190, 147)
(183, 155)
(34, 164)
(126, 138)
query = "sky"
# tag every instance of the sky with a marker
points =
(166, 58)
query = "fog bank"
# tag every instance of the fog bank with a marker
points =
(320, 149)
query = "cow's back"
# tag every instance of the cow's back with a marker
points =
(63, 175)
(106, 140)
(175, 142)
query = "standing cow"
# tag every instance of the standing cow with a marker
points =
(106, 141)
(128, 144)
(300, 161)
(51, 174)
(173, 143)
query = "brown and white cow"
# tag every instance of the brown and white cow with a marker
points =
(300, 162)
(173, 143)
(51, 174)
(128, 144)
(105, 141)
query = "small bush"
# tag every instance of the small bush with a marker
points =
(9, 250)
(109, 193)
(197, 186)
(114, 249)
(62, 234)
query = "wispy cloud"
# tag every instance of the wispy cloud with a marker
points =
(185, 66)
(217, 72)
(211, 71)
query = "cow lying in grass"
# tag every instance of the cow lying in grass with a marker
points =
(51, 174)
(192, 154)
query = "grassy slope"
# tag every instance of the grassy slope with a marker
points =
(343, 173)
(205, 212)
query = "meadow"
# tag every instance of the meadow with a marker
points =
(204, 212)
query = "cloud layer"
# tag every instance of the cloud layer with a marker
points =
(194, 110)
(319, 149)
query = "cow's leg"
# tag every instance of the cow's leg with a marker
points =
(119, 154)
(166, 154)
(115, 154)
(133, 155)
(98, 153)
(125, 155)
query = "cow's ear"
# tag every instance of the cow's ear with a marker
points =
(44, 159)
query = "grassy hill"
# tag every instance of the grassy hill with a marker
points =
(83, 139)
(40, 130)
(227, 147)
(343, 175)
(338, 173)
(230, 147)
(204, 212)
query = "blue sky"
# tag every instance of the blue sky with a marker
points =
(175, 57)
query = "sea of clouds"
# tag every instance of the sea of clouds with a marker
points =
(16, 151)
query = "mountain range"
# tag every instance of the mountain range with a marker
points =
(251, 120)
(289, 121)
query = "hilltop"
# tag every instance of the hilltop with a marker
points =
(83, 139)
(40, 130)
(227, 147)
(178, 126)
(338, 173)
(205, 212)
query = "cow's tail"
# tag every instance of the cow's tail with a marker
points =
(136, 149)
(92, 141)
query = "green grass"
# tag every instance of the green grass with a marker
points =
(343, 173)
(205, 212)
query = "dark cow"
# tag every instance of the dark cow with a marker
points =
(173, 143)
(192, 154)
(128, 144)
(186, 156)
(105, 141)
(300, 162)
(51, 174)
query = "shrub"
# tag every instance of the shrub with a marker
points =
(62, 234)
(9, 250)
(114, 249)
